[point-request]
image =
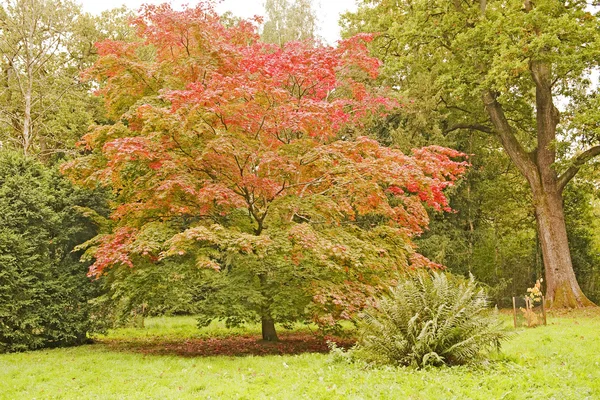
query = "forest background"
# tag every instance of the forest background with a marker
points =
(47, 105)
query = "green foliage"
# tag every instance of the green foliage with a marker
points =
(167, 288)
(44, 290)
(443, 54)
(429, 320)
(581, 213)
(492, 235)
(430, 51)
(445, 58)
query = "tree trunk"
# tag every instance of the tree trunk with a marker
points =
(268, 330)
(27, 122)
(268, 324)
(28, 92)
(562, 289)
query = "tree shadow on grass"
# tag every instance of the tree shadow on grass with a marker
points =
(234, 346)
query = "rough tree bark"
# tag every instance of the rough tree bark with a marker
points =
(562, 289)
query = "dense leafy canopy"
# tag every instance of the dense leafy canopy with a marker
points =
(517, 69)
(44, 291)
(442, 55)
(245, 160)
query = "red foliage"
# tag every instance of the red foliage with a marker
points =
(113, 249)
(212, 120)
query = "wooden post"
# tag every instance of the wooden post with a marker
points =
(528, 308)
(515, 313)
(544, 310)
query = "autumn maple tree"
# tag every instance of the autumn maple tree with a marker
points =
(245, 160)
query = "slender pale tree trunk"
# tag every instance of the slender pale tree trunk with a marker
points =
(27, 87)
(27, 137)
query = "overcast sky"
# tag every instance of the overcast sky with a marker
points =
(328, 11)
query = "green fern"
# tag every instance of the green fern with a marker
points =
(429, 320)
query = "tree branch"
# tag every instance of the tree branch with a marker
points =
(477, 127)
(578, 162)
(515, 151)
(547, 118)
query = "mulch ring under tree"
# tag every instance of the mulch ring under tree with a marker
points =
(290, 343)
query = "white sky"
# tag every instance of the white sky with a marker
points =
(328, 11)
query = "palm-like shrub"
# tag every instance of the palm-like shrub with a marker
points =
(429, 320)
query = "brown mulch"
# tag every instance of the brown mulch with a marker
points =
(292, 343)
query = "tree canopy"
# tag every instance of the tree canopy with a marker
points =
(500, 68)
(246, 160)
(288, 21)
(45, 45)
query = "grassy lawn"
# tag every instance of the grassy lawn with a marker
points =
(559, 361)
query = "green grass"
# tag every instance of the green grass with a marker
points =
(560, 361)
(185, 327)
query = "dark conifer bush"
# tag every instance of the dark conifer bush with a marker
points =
(44, 290)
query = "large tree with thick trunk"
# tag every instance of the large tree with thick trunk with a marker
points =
(505, 68)
(243, 160)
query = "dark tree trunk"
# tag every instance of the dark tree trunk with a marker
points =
(268, 324)
(268, 330)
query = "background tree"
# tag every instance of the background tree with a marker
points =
(44, 109)
(244, 159)
(44, 47)
(288, 21)
(581, 216)
(497, 68)
(492, 235)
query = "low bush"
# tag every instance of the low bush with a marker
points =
(429, 320)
